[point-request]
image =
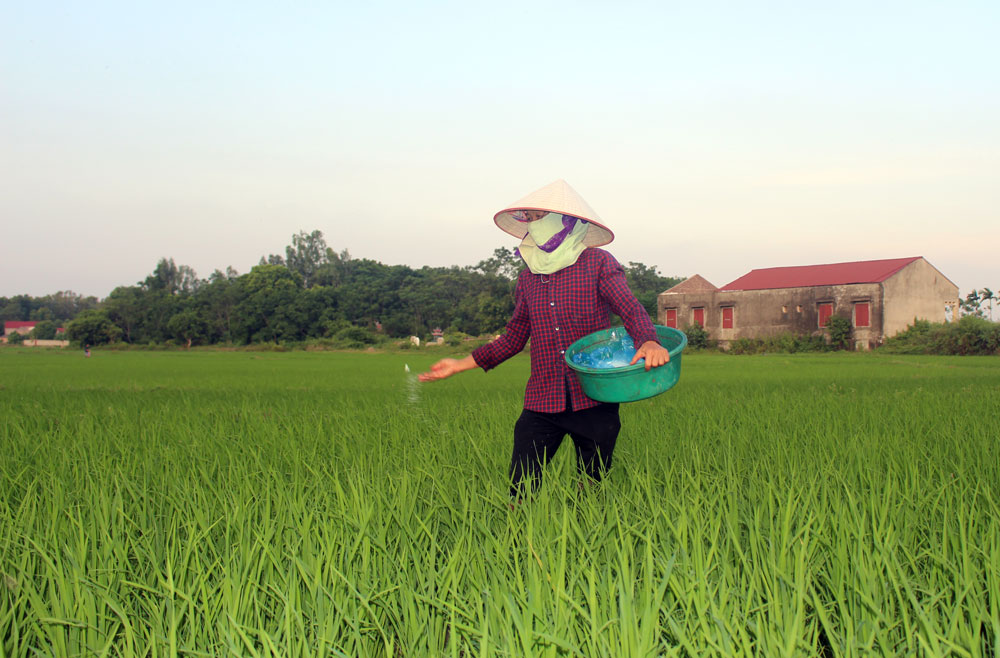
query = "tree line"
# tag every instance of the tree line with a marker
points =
(974, 302)
(50, 312)
(311, 292)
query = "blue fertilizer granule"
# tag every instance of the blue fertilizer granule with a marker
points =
(616, 353)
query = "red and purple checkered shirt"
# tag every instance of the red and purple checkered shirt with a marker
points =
(554, 310)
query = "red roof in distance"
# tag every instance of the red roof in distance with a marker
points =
(695, 283)
(834, 274)
(18, 324)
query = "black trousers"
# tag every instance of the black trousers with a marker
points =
(537, 436)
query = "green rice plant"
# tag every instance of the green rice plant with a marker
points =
(313, 503)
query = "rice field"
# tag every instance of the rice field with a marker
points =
(326, 504)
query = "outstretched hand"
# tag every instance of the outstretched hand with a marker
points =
(655, 354)
(446, 368)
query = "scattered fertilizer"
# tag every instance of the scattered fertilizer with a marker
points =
(412, 386)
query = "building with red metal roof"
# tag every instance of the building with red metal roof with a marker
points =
(879, 297)
(834, 274)
(24, 327)
(18, 327)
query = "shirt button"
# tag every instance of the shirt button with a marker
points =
(552, 303)
(557, 328)
(562, 351)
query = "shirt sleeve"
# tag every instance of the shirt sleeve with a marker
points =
(514, 338)
(614, 289)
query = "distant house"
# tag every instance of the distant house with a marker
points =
(879, 297)
(24, 328)
(18, 327)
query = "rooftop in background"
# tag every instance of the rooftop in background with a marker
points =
(834, 274)
(696, 283)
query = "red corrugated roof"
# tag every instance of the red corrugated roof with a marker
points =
(18, 324)
(834, 274)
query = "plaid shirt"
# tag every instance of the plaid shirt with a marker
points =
(554, 310)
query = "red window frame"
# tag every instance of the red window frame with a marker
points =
(824, 312)
(672, 317)
(698, 316)
(862, 314)
(728, 317)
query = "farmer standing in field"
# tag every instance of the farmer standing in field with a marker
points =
(568, 290)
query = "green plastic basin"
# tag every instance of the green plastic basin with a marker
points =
(628, 383)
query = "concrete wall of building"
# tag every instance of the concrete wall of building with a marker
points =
(764, 313)
(685, 303)
(32, 342)
(919, 290)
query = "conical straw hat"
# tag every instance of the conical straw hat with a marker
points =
(561, 198)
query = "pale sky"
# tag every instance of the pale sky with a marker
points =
(711, 137)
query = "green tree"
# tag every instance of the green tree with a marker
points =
(697, 336)
(306, 255)
(504, 263)
(987, 296)
(839, 330)
(125, 307)
(59, 307)
(493, 312)
(15, 338)
(972, 304)
(164, 276)
(93, 327)
(218, 300)
(272, 259)
(18, 307)
(370, 291)
(158, 306)
(41, 314)
(435, 297)
(319, 310)
(162, 294)
(188, 326)
(66, 304)
(647, 283)
(334, 270)
(354, 337)
(45, 330)
(170, 278)
(266, 310)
